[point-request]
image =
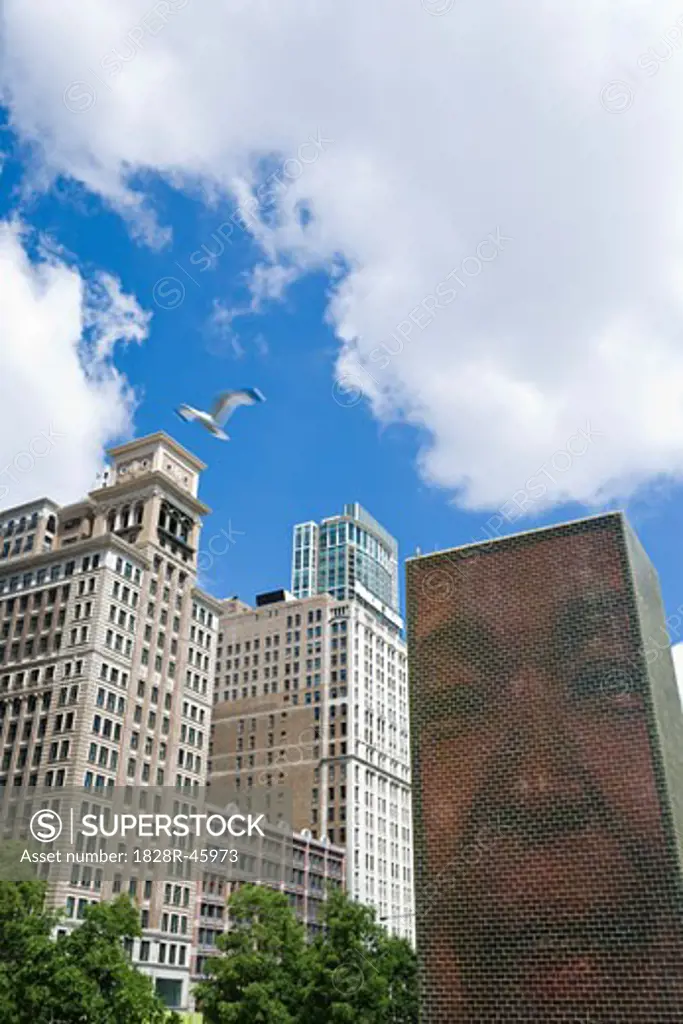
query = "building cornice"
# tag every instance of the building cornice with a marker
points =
(12, 511)
(203, 595)
(130, 447)
(155, 478)
(66, 512)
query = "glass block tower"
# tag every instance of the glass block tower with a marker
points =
(547, 768)
(348, 556)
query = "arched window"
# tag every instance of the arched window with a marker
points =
(139, 512)
(51, 524)
(125, 517)
(111, 521)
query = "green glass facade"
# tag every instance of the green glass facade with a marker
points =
(340, 552)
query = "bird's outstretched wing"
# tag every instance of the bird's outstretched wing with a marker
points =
(225, 404)
(187, 413)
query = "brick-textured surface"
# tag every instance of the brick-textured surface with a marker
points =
(547, 772)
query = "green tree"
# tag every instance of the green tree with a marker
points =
(399, 965)
(84, 977)
(352, 973)
(26, 950)
(94, 961)
(260, 977)
(359, 973)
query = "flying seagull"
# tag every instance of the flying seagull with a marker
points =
(222, 409)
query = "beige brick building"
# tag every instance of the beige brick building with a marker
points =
(107, 664)
(312, 695)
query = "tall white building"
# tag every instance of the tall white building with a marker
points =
(312, 694)
(107, 665)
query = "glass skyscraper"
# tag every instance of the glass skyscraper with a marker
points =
(349, 556)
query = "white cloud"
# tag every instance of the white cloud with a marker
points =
(677, 654)
(221, 324)
(265, 283)
(62, 398)
(556, 126)
(225, 339)
(111, 316)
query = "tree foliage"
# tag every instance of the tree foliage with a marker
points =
(265, 973)
(83, 977)
(260, 976)
(352, 973)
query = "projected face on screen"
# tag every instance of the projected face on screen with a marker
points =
(540, 813)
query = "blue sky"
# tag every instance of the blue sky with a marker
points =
(471, 408)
